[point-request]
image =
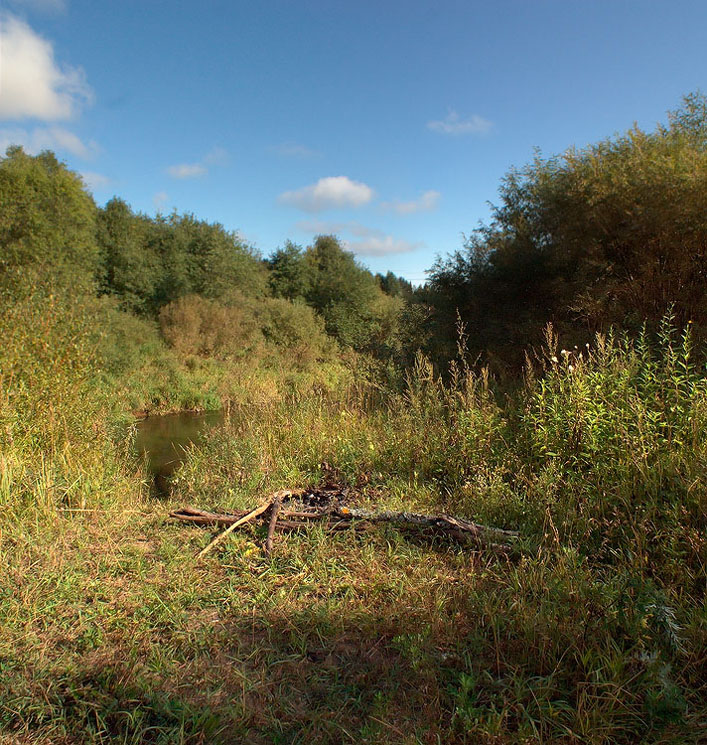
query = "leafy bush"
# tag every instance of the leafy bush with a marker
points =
(295, 329)
(195, 325)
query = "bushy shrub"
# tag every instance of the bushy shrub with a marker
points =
(195, 325)
(294, 328)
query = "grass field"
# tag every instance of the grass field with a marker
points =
(592, 631)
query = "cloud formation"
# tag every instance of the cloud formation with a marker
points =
(324, 227)
(425, 203)
(32, 83)
(48, 138)
(95, 181)
(187, 170)
(381, 246)
(373, 242)
(160, 199)
(328, 193)
(453, 124)
(215, 157)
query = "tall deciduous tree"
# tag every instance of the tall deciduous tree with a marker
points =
(131, 268)
(47, 219)
(150, 262)
(290, 275)
(355, 309)
(613, 233)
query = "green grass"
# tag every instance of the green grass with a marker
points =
(594, 631)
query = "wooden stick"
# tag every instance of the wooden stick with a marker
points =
(202, 517)
(337, 517)
(246, 518)
(273, 524)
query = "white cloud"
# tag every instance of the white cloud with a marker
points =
(381, 246)
(95, 181)
(453, 124)
(32, 85)
(294, 150)
(426, 203)
(215, 157)
(48, 138)
(374, 242)
(187, 170)
(160, 199)
(328, 193)
(247, 238)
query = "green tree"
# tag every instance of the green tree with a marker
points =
(613, 233)
(341, 291)
(217, 260)
(131, 269)
(150, 262)
(394, 285)
(290, 275)
(47, 220)
(355, 310)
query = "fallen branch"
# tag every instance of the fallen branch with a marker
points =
(240, 521)
(276, 505)
(326, 507)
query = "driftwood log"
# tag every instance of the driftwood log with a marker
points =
(288, 510)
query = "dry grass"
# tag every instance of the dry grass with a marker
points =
(593, 633)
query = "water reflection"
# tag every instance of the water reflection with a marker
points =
(163, 440)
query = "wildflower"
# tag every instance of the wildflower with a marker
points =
(571, 368)
(554, 358)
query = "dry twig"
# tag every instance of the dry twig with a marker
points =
(277, 503)
(325, 506)
(241, 521)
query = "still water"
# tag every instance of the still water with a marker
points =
(164, 439)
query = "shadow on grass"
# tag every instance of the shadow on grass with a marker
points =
(305, 678)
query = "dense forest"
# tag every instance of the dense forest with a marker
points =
(548, 378)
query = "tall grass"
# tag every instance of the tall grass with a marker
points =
(592, 632)
(596, 632)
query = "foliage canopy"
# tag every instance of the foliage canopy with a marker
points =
(613, 233)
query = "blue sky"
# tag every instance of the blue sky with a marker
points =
(390, 123)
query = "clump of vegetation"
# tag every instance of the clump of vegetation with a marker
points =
(610, 234)
(194, 325)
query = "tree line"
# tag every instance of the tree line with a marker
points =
(609, 235)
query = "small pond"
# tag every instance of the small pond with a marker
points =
(164, 439)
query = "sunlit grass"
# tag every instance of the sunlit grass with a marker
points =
(593, 632)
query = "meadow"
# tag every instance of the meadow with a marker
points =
(591, 631)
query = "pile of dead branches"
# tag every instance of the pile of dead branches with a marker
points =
(295, 509)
